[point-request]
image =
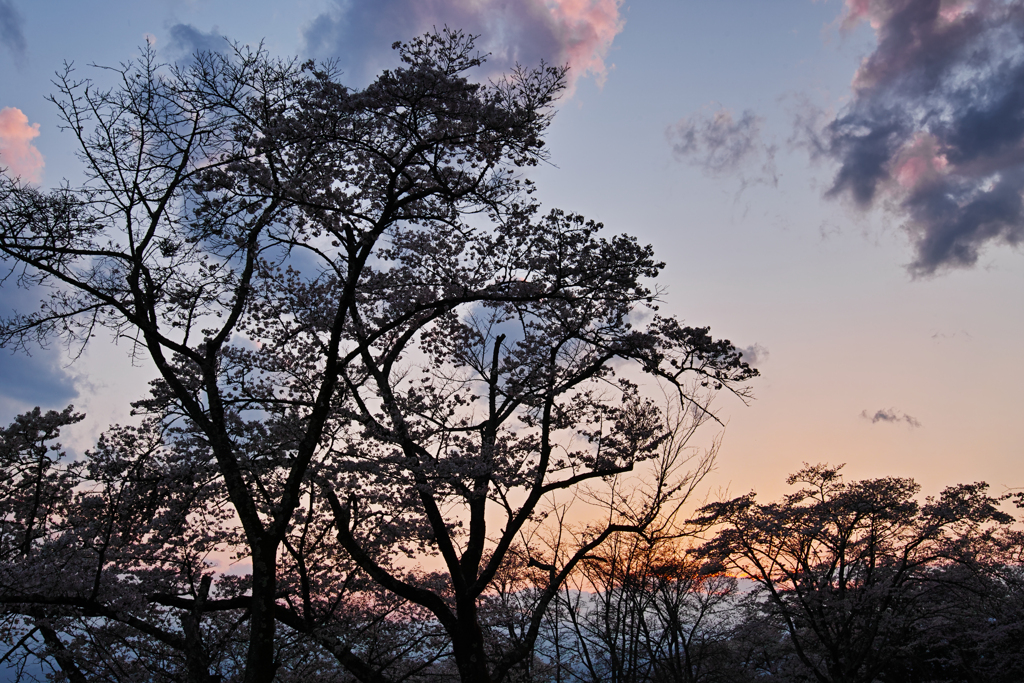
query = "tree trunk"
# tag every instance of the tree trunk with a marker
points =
(260, 664)
(197, 659)
(468, 644)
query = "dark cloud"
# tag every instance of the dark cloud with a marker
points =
(36, 380)
(942, 336)
(936, 125)
(890, 415)
(754, 355)
(721, 145)
(32, 380)
(12, 34)
(359, 34)
(187, 39)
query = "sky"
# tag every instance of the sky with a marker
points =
(834, 186)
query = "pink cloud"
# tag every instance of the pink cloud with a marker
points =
(953, 11)
(587, 29)
(856, 11)
(878, 12)
(574, 32)
(17, 152)
(919, 162)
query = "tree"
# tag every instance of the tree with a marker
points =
(92, 546)
(644, 610)
(970, 628)
(845, 569)
(357, 312)
(115, 584)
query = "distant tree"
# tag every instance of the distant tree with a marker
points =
(641, 607)
(847, 570)
(361, 322)
(695, 617)
(652, 615)
(971, 627)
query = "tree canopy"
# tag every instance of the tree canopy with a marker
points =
(851, 569)
(371, 346)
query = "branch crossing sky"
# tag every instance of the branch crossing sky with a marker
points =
(835, 186)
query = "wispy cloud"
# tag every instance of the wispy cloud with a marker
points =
(890, 415)
(187, 39)
(936, 125)
(574, 32)
(720, 145)
(12, 33)
(17, 152)
(943, 336)
(754, 355)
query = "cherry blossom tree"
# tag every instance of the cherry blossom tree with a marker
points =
(106, 571)
(364, 327)
(90, 548)
(847, 569)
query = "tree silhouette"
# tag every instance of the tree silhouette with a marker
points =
(362, 322)
(845, 568)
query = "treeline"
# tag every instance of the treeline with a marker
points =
(107, 575)
(851, 582)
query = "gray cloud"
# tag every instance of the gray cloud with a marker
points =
(720, 145)
(936, 126)
(36, 380)
(12, 34)
(754, 355)
(32, 380)
(187, 39)
(890, 415)
(358, 34)
(942, 336)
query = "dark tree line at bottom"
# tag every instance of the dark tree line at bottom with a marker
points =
(107, 576)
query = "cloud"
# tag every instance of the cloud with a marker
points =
(574, 32)
(754, 355)
(187, 39)
(17, 152)
(36, 380)
(890, 415)
(11, 33)
(29, 380)
(935, 127)
(941, 336)
(720, 145)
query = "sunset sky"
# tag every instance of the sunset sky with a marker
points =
(835, 187)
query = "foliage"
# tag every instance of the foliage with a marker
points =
(371, 347)
(846, 569)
